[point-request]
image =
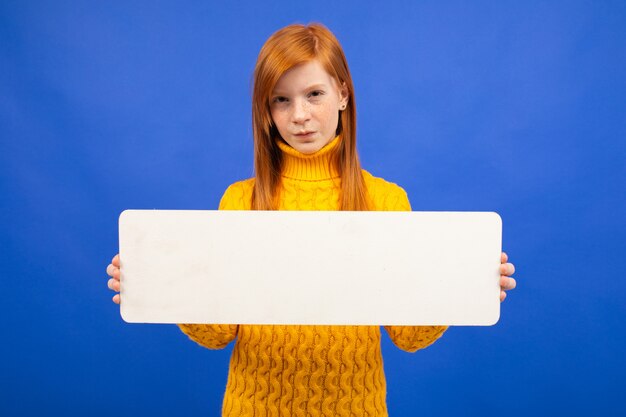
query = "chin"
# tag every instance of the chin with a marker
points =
(308, 148)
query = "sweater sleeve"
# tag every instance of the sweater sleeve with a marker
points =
(211, 336)
(218, 336)
(409, 338)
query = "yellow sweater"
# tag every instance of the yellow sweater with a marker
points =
(309, 370)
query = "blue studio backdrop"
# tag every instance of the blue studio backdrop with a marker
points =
(508, 106)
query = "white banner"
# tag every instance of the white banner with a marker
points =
(310, 267)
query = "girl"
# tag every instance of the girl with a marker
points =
(304, 127)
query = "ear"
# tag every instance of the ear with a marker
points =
(344, 95)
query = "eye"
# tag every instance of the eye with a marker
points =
(279, 99)
(316, 93)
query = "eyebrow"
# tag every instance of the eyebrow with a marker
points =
(311, 87)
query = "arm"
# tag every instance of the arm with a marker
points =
(218, 336)
(410, 338)
(212, 336)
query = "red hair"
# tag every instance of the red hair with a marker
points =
(286, 48)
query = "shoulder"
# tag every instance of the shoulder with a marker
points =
(238, 196)
(379, 185)
(385, 195)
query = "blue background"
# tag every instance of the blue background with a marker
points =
(515, 107)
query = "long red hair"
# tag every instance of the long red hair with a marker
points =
(286, 48)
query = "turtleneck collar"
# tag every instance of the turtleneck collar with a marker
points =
(311, 167)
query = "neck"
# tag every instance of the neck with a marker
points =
(312, 167)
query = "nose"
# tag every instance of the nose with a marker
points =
(301, 111)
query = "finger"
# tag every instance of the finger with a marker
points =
(113, 284)
(116, 298)
(507, 283)
(502, 296)
(113, 271)
(507, 269)
(503, 258)
(116, 260)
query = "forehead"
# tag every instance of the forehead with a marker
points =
(303, 76)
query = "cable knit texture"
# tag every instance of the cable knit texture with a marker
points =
(309, 370)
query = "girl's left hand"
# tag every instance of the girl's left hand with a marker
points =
(506, 270)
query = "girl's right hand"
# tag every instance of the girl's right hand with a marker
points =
(113, 270)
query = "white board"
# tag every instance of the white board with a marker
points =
(310, 267)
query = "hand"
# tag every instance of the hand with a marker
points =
(113, 270)
(506, 283)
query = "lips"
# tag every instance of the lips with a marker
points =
(304, 133)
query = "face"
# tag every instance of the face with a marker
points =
(305, 105)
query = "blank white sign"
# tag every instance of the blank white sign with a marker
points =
(310, 267)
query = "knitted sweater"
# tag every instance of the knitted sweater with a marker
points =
(309, 370)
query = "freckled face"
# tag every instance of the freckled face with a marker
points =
(305, 106)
